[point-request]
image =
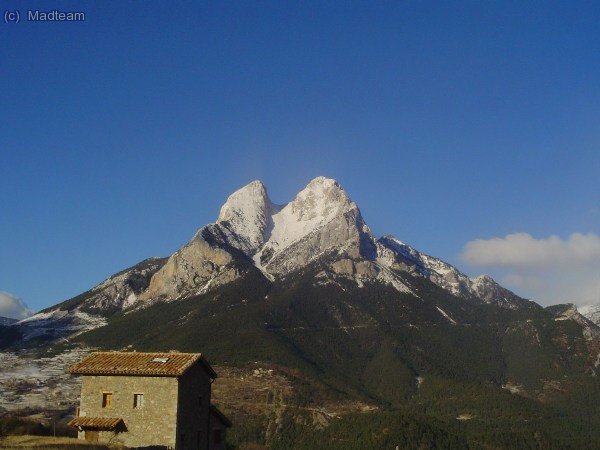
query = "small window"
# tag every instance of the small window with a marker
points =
(200, 401)
(106, 399)
(138, 400)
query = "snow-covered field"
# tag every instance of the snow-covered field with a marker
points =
(39, 384)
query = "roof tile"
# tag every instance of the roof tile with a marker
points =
(142, 364)
(96, 423)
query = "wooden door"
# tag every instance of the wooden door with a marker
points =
(91, 436)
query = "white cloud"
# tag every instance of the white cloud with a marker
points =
(523, 250)
(13, 307)
(551, 270)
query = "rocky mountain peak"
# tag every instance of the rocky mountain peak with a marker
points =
(245, 200)
(247, 214)
(321, 198)
(320, 218)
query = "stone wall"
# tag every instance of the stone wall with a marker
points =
(194, 409)
(152, 424)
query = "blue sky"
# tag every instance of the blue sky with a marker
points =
(447, 122)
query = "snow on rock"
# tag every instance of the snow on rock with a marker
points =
(569, 311)
(248, 216)
(316, 205)
(485, 288)
(591, 312)
(321, 218)
(400, 256)
(443, 313)
(55, 325)
(251, 231)
(397, 255)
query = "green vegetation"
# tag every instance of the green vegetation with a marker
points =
(372, 344)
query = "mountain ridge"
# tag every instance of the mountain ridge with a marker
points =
(251, 230)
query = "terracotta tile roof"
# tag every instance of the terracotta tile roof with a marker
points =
(97, 423)
(142, 364)
(217, 413)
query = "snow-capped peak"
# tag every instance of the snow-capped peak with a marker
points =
(322, 217)
(246, 199)
(318, 203)
(247, 214)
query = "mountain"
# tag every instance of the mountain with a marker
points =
(253, 238)
(591, 312)
(252, 233)
(349, 324)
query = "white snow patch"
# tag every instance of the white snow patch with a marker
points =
(39, 383)
(443, 313)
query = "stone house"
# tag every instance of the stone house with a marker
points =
(148, 399)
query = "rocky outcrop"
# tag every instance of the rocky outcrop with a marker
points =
(569, 311)
(207, 260)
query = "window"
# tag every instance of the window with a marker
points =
(200, 401)
(106, 399)
(138, 400)
(160, 360)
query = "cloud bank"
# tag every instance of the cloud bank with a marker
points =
(551, 270)
(13, 307)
